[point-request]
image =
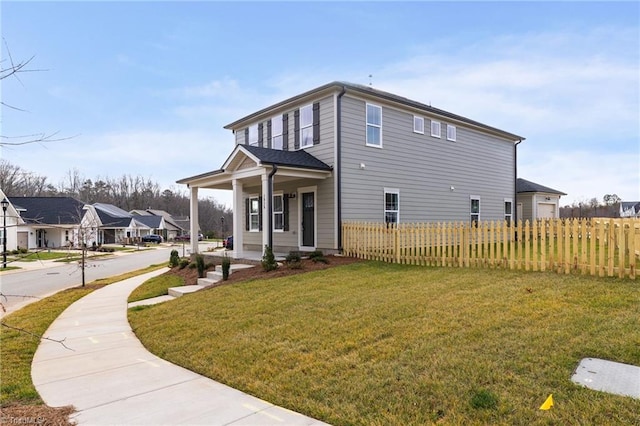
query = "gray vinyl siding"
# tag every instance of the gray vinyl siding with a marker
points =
(527, 206)
(423, 168)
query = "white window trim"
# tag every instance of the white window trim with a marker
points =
(476, 197)
(254, 197)
(417, 119)
(367, 124)
(273, 217)
(510, 214)
(310, 125)
(451, 133)
(250, 142)
(276, 119)
(384, 200)
(436, 124)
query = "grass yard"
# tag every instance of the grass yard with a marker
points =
(156, 286)
(379, 344)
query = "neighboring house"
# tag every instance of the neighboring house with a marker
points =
(15, 238)
(116, 225)
(167, 225)
(630, 209)
(51, 222)
(535, 201)
(347, 152)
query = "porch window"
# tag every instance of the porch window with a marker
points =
(475, 210)
(391, 205)
(276, 132)
(254, 214)
(278, 212)
(374, 125)
(306, 126)
(508, 210)
(435, 129)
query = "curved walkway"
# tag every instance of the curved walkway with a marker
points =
(111, 378)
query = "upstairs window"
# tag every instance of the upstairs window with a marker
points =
(391, 206)
(306, 126)
(418, 125)
(451, 132)
(276, 132)
(475, 210)
(435, 129)
(374, 125)
(253, 135)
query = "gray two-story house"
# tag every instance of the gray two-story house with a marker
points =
(347, 152)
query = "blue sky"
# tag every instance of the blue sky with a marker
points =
(145, 88)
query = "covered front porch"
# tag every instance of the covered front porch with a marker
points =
(277, 198)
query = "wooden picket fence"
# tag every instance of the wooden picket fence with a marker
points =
(599, 247)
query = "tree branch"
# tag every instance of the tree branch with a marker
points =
(21, 330)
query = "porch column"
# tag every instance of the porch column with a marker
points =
(195, 226)
(238, 220)
(266, 219)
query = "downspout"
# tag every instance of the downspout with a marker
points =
(339, 165)
(274, 169)
(515, 180)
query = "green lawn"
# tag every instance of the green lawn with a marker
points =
(380, 344)
(156, 286)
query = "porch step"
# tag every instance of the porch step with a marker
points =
(185, 289)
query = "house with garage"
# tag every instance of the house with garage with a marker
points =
(535, 201)
(52, 222)
(345, 152)
(159, 222)
(115, 225)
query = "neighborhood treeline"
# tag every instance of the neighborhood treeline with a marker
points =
(127, 192)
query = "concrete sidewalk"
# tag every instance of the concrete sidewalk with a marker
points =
(111, 378)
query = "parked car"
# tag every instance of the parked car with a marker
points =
(228, 242)
(185, 237)
(152, 238)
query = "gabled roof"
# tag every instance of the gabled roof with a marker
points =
(337, 86)
(300, 158)
(112, 216)
(49, 210)
(153, 222)
(523, 186)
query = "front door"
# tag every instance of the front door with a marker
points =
(308, 219)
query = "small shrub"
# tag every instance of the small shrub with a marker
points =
(193, 265)
(23, 250)
(174, 259)
(226, 267)
(15, 252)
(293, 260)
(183, 263)
(318, 256)
(484, 399)
(200, 265)
(268, 260)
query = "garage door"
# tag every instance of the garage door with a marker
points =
(23, 240)
(546, 211)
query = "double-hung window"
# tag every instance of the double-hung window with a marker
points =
(306, 126)
(276, 132)
(254, 214)
(475, 210)
(418, 125)
(391, 205)
(374, 125)
(435, 129)
(278, 212)
(451, 133)
(508, 210)
(253, 135)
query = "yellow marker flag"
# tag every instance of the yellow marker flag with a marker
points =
(548, 403)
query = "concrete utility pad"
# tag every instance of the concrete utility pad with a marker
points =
(608, 376)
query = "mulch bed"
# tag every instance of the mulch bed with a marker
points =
(36, 415)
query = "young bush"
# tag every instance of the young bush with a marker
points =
(318, 256)
(226, 267)
(200, 265)
(174, 259)
(184, 263)
(293, 260)
(268, 260)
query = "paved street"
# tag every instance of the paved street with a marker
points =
(40, 279)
